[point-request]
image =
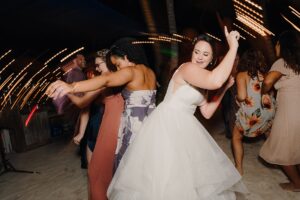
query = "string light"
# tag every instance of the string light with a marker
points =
(41, 89)
(28, 95)
(72, 53)
(254, 4)
(170, 38)
(296, 14)
(5, 54)
(250, 25)
(13, 88)
(295, 11)
(143, 42)
(7, 65)
(159, 39)
(250, 9)
(294, 25)
(149, 34)
(261, 27)
(55, 56)
(242, 37)
(55, 70)
(244, 30)
(181, 36)
(20, 96)
(242, 11)
(43, 94)
(39, 71)
(214, 37)
(6, 81)
(19, 74)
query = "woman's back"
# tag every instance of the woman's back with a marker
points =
(143, 78)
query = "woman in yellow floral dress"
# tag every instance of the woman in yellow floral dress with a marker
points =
(252, 118)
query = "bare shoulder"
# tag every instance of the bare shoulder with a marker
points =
(241, 75)
(188, 66)
(186, 72)
(140, 68)
(127, 70)
(191, 69)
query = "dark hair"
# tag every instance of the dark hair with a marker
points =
(125, 47)
(290, 49)
(211, 42)
(252, 61)
(102, 54)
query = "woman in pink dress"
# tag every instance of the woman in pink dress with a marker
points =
(283, 145)
(100, 169)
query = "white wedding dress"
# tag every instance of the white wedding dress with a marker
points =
(173, 157)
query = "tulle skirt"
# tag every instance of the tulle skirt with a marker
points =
(173, 157)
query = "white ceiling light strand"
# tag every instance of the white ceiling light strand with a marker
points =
(214, 37)
(254, 4)
(244, 30)
(55, 56)
(7, 65)
(249, 9)
(5, 54)
(295, 11)
(143, 42)
(72, 53)
(291, 23)
(242, 11)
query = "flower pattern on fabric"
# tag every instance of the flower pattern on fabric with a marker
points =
(253, 118)
(256, 86)
(249, 102)
(138, 105)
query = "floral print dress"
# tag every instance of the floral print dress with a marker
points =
(138, 105)
(253, 119)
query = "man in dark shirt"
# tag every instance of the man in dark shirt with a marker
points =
(73, 72)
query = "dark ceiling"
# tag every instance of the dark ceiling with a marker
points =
(35, 30)
(61, 23)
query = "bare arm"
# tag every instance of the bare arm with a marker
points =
(214, 79)
(118, 78)
(209, 108)
(85, 100)
(121, 77)
(241, 84)
(269, 81)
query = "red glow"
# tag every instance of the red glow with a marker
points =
(31, 114)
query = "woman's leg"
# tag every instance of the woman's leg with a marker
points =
(89, 154)
(293, 174)
(238, 151)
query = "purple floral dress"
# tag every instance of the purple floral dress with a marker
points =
(138, 105)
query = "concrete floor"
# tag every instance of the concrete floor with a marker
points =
(61, 177)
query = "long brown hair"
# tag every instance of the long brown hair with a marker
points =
(290, 49)
(253, 62)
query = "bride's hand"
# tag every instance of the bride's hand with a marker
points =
(232, 38)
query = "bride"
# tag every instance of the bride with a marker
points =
(174, 157)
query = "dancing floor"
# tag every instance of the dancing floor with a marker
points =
(61, 177)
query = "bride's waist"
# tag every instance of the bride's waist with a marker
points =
(178, 106)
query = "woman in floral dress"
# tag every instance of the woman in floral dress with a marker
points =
(252, 118)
